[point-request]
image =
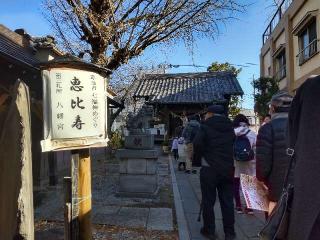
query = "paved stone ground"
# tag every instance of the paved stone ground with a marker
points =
(129, 218)
(247, 226)
(134, 217)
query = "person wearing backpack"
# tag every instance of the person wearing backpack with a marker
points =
(271, 156)
(244, 156)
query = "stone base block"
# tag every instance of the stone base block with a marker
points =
(132, 153)
(138, 166)
(139, 142)
(138, 185)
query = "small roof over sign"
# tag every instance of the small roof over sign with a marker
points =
(74, 62)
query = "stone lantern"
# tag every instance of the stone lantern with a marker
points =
(138, 160)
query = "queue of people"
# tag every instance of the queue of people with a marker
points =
(224, 150)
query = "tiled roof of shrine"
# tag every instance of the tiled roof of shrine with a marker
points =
(188, 88)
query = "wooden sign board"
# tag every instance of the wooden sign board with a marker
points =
(74, 108)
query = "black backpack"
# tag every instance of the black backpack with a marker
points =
(242, 149)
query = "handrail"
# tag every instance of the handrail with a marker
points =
(303, 50)
(285, 4)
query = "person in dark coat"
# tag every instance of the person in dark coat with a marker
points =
(214, 143)
(272, 160)
(304, 137)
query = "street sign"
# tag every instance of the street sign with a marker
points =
(74, 109)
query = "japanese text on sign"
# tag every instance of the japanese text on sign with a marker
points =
(77, 104)
(254, 193)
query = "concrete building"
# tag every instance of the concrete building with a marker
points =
(291, 44)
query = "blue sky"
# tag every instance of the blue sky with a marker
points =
(239, 41)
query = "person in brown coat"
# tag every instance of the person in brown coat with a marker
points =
(304, 137)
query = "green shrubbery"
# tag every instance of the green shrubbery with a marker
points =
(265, 89)
(116, 140)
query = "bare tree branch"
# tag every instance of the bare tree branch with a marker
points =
(115, 31)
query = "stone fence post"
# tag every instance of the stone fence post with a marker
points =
(16, 201)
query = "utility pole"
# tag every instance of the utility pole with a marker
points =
(254, 101)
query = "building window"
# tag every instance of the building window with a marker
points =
(281, 65)
(269, 71)
(308, 43)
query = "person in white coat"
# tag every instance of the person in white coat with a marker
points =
(175, 148)
(182, 154)
(241, 128)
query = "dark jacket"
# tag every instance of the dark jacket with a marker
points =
(304, 134)
(214, 142)
(190, 131)
(271, 157)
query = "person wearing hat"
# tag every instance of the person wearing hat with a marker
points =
(272, 160)
(214, 143)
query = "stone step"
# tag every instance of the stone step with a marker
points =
(163, 166)
(163, 169)
(160, 219)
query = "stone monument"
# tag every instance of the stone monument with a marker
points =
(138, 160)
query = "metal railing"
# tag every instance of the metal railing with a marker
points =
(308, 52)
(285, 4)
(281, 73)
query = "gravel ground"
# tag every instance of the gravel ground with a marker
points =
(54, 231)
(48, 216)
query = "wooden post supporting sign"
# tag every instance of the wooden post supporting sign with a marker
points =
(84, 195)
(81, 195)
(67, 208)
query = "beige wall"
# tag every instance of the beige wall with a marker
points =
(280, 40)
(45, 55)
(283, 84)
(309, 5)
(266, 63)
(310, 65)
